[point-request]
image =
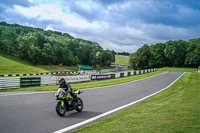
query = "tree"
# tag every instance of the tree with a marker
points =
(34, 54)
(75, 60)
(22, 46)
(193, 53)
(34, 51)
(157, 58)
(7, 40)
(99, 58)
(48, 54)
(133, 61)
(107, 58)
(175, 51)
(140, 59)
(66, 56)
(123, 53)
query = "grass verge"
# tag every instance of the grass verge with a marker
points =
(178, 69)
(122, 60)
(91, 84)
(174, 110)
(13, 65)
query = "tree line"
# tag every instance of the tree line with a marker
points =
(176, 53)
(123, 53)
(51, 47)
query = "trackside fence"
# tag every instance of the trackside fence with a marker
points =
(120, 74)
(20, 82)
(8, 83)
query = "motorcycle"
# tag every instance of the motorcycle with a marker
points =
(65, 102)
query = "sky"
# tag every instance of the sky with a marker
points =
(119, 25)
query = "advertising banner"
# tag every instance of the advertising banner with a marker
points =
(75, 78)
(100, 77)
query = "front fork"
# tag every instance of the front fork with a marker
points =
(62, 103)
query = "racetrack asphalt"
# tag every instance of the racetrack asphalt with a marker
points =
(27, 112)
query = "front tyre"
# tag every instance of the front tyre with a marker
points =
(60, 110)
(79, 106)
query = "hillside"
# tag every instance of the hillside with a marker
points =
(46, 47)
(122, 60)
(13, 65)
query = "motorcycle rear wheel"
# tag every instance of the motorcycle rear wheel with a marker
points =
(60, 110)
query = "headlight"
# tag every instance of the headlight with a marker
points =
(61, 95)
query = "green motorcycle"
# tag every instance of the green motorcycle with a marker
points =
(65, 102)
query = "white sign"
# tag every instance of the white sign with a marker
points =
(75, 78)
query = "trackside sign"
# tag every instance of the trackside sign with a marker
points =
(120, 75)
(100, 77)
(75, 78)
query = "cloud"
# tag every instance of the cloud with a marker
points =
(51, 12)
(10, 3)
(115, 24)
(154, 12)
(89, 10)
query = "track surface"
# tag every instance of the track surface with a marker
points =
(35, 113)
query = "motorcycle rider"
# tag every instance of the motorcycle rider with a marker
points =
(66, 85)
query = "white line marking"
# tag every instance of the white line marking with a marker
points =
(111, 111)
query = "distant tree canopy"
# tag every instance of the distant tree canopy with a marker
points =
(51, 47)
(123, 53)
(177, 53)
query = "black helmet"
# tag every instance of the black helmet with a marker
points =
(62, 82)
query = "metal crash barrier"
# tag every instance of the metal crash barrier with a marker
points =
(20, 82)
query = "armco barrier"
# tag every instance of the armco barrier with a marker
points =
(72, 79)
(120, 75)
(137, 72)
(48, 80)
(29, 81)
(53, 80)
(36, 74)
(7, 83)
(129, 73)
(17, 82)
(117, 75)
(88, 72)
(112, 76)
(125, 74)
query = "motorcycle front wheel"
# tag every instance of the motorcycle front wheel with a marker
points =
(60, 110)
(79, 106)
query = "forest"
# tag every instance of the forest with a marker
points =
(177, 53)
(39, 46)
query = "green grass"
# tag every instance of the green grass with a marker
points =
(122, 60)
(175, 110)
(177, 69)
(13, 65)
(91, 84)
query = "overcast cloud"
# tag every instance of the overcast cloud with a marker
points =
(120, 25)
